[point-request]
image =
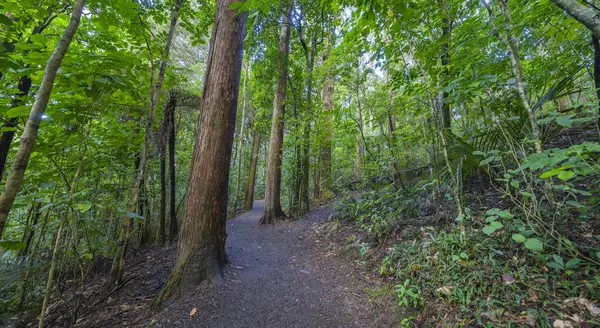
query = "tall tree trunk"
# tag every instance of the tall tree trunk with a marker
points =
(172, 180)
(118, 266)
(296, 171)
(165, 55)
(360, 140)
(446, 30)
(249, 200)
(305, 178)
(162, 231)
(273, 188)
(597, 71)
(240, 152)
(8, 136)
(13, 183)
(328, 90)
(163, 137)
(201, 243)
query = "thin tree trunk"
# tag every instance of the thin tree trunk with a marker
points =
(163, 137)
(453, 175)
(240, 145)
(446, 30)
(118, 265)
(296, 172)
(597, 71)
(360, 140)
(30, 231)
(165, 55)
(13, 183)
(328, 90)
(273, 188)
(201, 242)
(172, 199)
(516, 67)
(8, 136)
(162, 231)
(249, 200)
(304, 181)
(54, 260)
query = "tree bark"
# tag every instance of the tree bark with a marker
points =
(273, 188)
(163, 137)
(240, 151)
(165, 55)
(304, 181)
(446, 30)
(249, 200)
(597, 71)
(360, 140)
(201, 243)
(325, 161)
(8, 136)
(13, 183)
(583, 14)
(118, 265)
(163, 197)
(172, 179)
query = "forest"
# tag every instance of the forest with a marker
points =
(412, 163)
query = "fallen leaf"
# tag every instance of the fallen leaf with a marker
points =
(508, 279)
(562, 324)
(533, 296)
(582, 302)
(193, 312)
(446, 290)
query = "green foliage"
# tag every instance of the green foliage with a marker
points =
(381, 212)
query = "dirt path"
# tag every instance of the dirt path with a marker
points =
(278, 277)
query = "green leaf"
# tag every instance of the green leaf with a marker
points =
(83, 207)
(497, 225)
(488, 230)
(574, 203)
(5, 20)
(11, 245)
(564, 120)
(519, 238)
(17, 111)
(131, 214)
(236, 5)
(527, 194)
(572, 263)
(549, 174)
(566, 175)
(555, 265)
(505, 214)
(534, 244)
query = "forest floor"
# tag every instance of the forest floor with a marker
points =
(286, 275)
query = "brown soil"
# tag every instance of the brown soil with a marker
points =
(292, 274)
(282, 276)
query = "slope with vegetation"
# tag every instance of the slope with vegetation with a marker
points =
(458, 142)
